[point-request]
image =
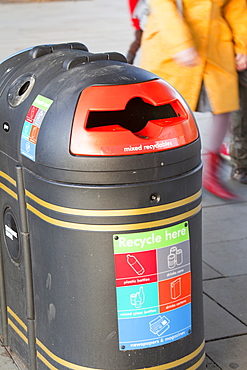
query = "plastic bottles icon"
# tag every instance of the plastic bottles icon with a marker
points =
(135, 264)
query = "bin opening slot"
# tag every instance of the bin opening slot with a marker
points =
(134, 117)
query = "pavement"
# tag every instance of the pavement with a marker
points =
(104, 25)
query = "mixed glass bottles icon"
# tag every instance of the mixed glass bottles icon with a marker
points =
(137, 299)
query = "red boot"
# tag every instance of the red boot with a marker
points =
(211, 181)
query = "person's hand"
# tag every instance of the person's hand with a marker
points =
(187, 58)
(241, 62)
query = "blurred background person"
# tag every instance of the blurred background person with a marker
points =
(238, 142)
(199, 50)
(139, 10)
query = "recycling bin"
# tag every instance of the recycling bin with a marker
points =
(100, 173)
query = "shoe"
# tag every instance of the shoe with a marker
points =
(239, 174)
(224, 151)
(211, 181)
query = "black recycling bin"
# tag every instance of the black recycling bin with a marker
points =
(100, 173)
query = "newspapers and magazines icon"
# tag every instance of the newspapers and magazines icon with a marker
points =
(159, 325)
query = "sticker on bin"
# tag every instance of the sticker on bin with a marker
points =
(153, 286)
(131, 119)
(32, 124)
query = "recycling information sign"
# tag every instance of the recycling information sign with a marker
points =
(32, 124)
(153, 285)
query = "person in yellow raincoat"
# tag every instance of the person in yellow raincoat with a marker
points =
(199, 51)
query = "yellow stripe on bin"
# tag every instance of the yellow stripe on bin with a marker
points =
(198, 363)
(73, 366)
(114, 228)
(116, 212)
(97, 213)
(13, 314)
(168, 366)
(17, 331)
(183, 361)
(46, 362)
(59, 360)
(8, 178)
(8, 190)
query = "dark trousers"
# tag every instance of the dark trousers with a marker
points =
(238, 144)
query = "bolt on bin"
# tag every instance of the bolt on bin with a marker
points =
(101, 264)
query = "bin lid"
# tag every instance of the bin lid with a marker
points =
(131, 119)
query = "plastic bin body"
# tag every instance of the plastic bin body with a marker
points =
(101, 215)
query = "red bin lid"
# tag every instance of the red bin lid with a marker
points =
(131, 119)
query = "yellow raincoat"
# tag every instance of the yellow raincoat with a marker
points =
(216, 28)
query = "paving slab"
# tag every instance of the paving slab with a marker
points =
(226, 222)
(6, 362)
(230, 293)
(228, 258)
(209, 200)
(210, 365)
(229, 353)
(219, 323)
(209, 272)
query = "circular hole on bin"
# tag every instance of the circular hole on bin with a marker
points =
(6, 127)
(24, 88)
(12, 236)
(154, 198)
(20, 89)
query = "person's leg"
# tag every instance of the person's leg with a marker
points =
(134, 47)
(221, 124)
(238, 143)
(211, 173)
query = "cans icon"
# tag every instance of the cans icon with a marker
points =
(175, 258)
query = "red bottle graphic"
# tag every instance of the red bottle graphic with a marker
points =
(135, 264)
